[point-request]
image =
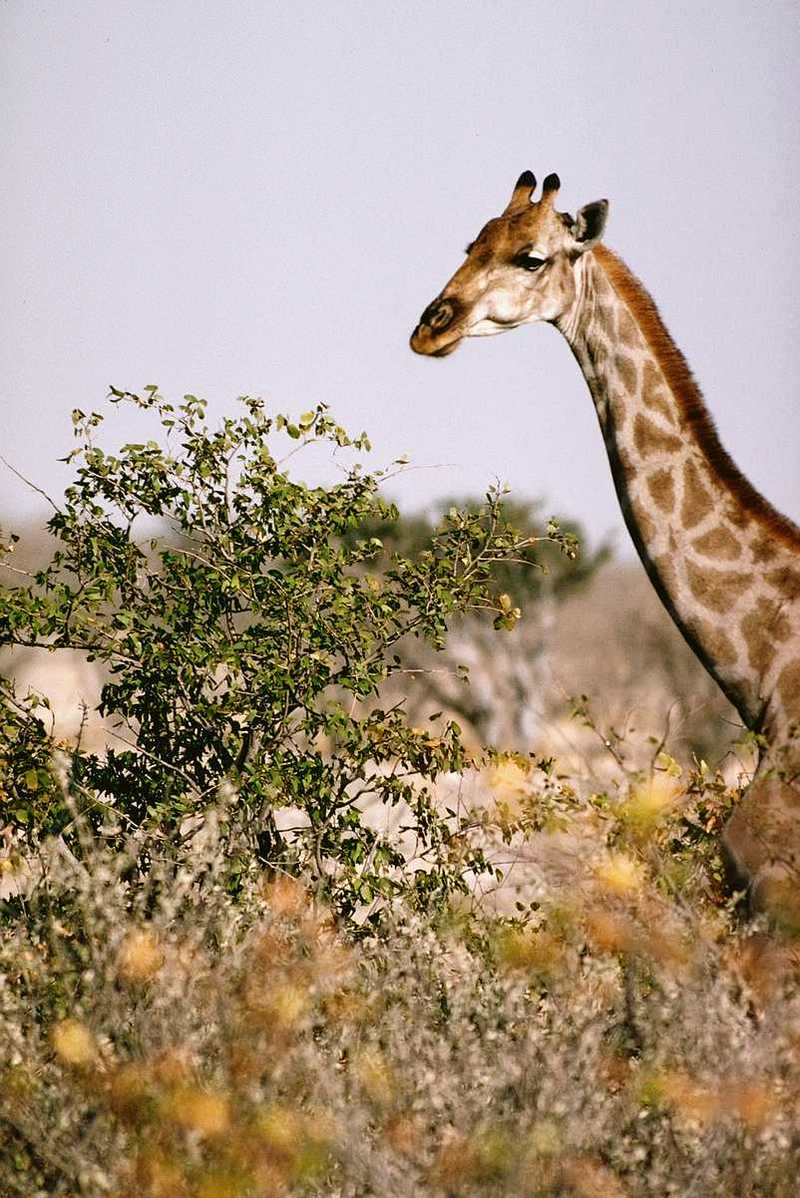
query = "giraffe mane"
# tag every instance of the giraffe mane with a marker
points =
(689, 397)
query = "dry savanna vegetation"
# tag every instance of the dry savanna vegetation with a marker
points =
(380, 863)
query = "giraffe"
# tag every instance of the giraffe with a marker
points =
(724, 562)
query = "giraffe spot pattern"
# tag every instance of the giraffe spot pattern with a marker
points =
(619, 399)
(626, 369)
(661, 486)
(761, 629)
(697, 501)
(719, 542)
(717, 590)
(655, 396)
(786, 582)
(666, 570)
(646, 526)
(605, 317)
(627, 332)
(716, 641)
(789, 685)
(622, 453)
(597, 350)
(602, 289)
(737, 515)
(649, 439)
(763, 549)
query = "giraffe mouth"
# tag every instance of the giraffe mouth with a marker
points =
(424, 341)
(445, 350)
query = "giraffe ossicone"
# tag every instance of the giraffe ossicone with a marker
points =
(724, 562)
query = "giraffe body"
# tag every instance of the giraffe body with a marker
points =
(724, 562)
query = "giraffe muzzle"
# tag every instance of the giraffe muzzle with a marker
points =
(439, 315)
(430, 335)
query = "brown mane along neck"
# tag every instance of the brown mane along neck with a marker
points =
(689, 398)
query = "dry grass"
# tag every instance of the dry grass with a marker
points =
(622, 1036)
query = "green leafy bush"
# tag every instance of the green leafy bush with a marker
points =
(248, 624)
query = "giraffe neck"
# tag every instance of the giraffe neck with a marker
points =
(725, 564)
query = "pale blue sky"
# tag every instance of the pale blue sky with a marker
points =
(261, 197)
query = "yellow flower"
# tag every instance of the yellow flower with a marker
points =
(279, 1007)
(540, 952)
(651, 802)
(610, 933)
(509, 780)
(74, 1043)
(140, 957)
(545, 1138)
(280, 1128)
(620, 874)
(201, 1111)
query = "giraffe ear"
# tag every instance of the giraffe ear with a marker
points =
(590, 223)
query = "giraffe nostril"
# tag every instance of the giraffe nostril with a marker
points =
(438, 315)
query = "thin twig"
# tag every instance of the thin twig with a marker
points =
(176, 769)
(28, 483)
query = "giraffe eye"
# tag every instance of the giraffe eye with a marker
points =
(529, 261)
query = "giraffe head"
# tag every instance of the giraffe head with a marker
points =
(519, 269)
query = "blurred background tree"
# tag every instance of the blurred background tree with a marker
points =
(508, 677)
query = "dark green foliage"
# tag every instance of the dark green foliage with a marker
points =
(31, 795)
(554, 549)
